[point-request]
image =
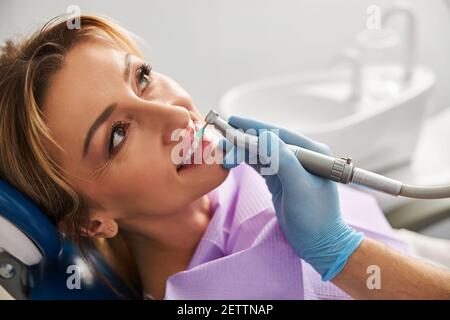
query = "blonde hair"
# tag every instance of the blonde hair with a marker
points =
(26, 67)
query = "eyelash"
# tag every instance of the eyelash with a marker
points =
(117, 125)
(143, 72)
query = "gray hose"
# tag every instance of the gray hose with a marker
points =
(339, 170)
(421, 192)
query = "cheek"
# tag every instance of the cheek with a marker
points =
(147, 183)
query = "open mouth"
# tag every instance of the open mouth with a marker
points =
(197, 141)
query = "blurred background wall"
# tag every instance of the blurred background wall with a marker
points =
(211, 45)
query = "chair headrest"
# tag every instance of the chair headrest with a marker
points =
(22, 213)
(17, 244)
(22, 220)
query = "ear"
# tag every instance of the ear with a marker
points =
(99, 225)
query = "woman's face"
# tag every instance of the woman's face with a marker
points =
(115, 119)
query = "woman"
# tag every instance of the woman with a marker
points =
(93, 148)
(86, 133)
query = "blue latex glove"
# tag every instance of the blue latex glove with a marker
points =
(307, 206)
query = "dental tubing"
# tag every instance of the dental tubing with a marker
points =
(336, 169)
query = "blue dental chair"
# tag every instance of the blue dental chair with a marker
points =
(37, 262)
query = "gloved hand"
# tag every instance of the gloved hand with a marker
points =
(307, 206)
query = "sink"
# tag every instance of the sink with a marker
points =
(379, 130)
(291, 106)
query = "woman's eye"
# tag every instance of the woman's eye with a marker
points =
(118, 135)
(143, 77)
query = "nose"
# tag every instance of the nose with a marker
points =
(162, 119)
(174, 118)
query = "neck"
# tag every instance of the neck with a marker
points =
(165, 245)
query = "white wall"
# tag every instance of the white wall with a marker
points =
(211, 45)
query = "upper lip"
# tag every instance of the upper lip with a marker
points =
(194, 116)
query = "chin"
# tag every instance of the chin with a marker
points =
(201, 179)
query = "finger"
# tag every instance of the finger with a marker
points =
(273, 184)
(247, 123)
(289, 169)
(288, 136)
(228, 161)
(234, 156)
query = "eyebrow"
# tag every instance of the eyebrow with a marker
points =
(106, 113)
(97, 123)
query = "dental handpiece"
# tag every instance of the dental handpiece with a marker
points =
(336, 169)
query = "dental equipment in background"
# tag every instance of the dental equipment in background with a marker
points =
(336, 169)
(411, 34)
(353, 58)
